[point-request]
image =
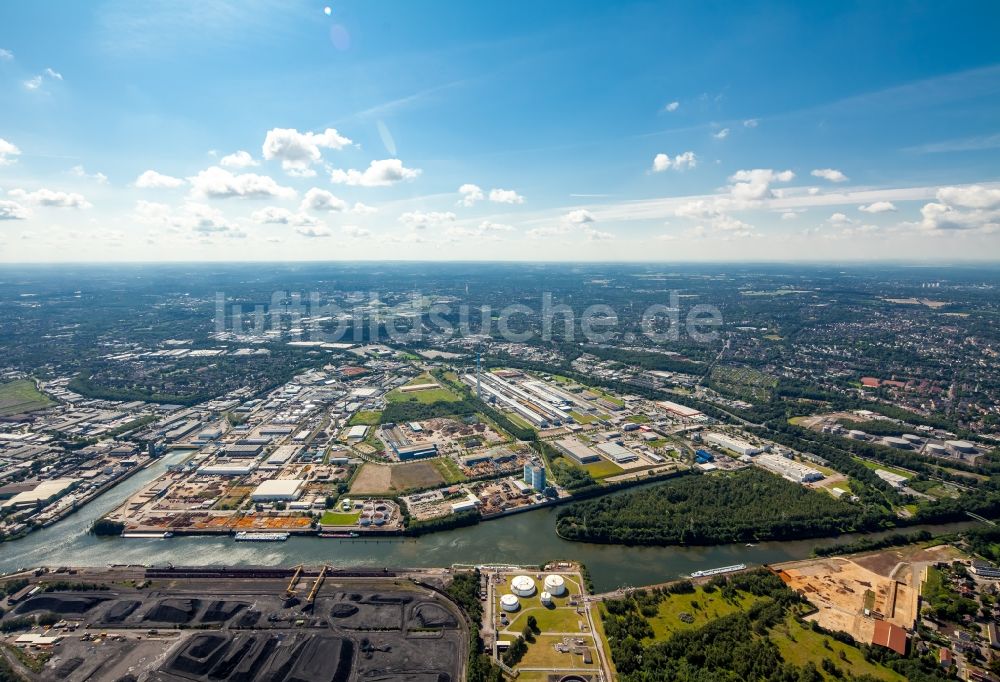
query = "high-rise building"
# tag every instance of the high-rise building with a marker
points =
(534, 475)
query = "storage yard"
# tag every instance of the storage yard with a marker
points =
(259, 624)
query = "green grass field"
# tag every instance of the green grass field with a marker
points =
(430, 395)
(427, 396)
(366, 417)
(603, 469)
(21, 396)
(874, 465)
(449, 470)
(332, 518)
(800, 645)
(518, 419)
(582, 418)
(637, 419)
(699, 604)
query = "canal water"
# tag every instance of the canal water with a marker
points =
(527, 538)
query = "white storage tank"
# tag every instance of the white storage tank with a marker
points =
(961, 446)
(555, 585)
(897, 443)
(546, 599)
(509, 602)
(522, 586)
(857, 435)
(936, 449)
(913, 438)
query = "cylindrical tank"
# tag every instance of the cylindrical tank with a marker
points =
(522, 586)
(857, 435)
(936, 449)
(894, 442)
(509, 602)
(365, 520)
(912, 438)
(546, 599)
(961, 445)
(555, 585)
(379, 518)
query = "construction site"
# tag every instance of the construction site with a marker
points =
(863, 594)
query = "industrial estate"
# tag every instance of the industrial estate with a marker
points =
(260, 505)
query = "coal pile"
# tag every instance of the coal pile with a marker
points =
(433, 616)
(343, 610)
(120, 610)
(221, 611)
(60, 603)
(176, 611)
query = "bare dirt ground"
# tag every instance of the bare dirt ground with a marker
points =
(380, 479)
(837, 587)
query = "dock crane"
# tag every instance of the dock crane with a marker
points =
(290, 590)
(315, 589)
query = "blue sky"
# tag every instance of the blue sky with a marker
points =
(577, 130)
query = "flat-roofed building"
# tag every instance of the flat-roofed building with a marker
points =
(357, 433)
(577, 451)
(243, 450)
(278, 490)
(740, 447)
(795, 472)
(415, 450)
(678, 410)
(42, 493)
(617, 453)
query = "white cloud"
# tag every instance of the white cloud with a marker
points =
(240, 159)
(11, 210)
(299, 151)
(594, 235)
(505, 196)
(419, 220)
(972, 196)
(51, 198)
(831, 174)
(35, 82)
(355, 232)
(8, 150)
(80, 172)
(722, 134)
(363, 209)
(751, 123)
(578, 220)
(312, 232)
(273, 215)
(840, 219)
(579, 217)
(939, 218)
(662, 162)
(485, 230)
(755, 184)
(672, 106)
(470, 194)
(215, 182)
(195, 218)
(877, 207)
(5, 55)
(789, 215)
(380, 173)
(317, 199)
(710, 213)
(153, 180)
